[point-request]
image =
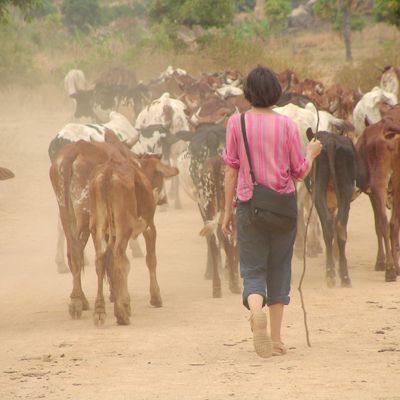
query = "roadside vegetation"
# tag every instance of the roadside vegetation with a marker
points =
(42, 39)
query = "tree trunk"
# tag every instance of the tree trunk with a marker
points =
(259, 9)
(346, 29)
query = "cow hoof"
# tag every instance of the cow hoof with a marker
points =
(75, 308)
(380, 266)
(156, 302)
(330, 282)
(99, 318)
(62, 268)
(391, 275)
(346, 283)
(178, 206)
(217, 293)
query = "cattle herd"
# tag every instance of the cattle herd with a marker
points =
(108, 171)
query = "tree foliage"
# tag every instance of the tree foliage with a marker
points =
(27, 7)
(277, 12)
(332, 10)
(192, 12)
(388, 10)
(81, 15)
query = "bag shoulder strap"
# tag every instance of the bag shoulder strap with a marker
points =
(246, 145)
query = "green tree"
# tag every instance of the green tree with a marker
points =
(387, 10)
(27, 7)
(345, 16)
(81, 15)
(192, 12)
(277, 12)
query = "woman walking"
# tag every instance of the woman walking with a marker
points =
(264, 151)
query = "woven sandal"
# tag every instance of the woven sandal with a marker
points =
(278, 349)
(261, 340)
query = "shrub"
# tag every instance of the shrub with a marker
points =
(192, 12)
(81, 15)
(277, 13)
(16, 61)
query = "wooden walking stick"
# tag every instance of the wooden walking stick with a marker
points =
(305, 262)
(300, 288)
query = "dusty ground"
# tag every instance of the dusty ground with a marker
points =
(195, 347)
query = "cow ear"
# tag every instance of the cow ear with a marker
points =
(166, 170)
(310, 134)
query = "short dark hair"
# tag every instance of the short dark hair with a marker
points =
(262, 87)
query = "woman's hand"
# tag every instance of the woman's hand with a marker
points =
(227, 223)
(314, 148)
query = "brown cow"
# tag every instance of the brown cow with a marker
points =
(379, 153)
(70, 174)
(122, 206)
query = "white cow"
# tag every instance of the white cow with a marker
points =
(368, 108)
(71, 133)
(170, 114)
(170, 71)
(229, 90)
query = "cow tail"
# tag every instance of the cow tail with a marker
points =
(105, 193)
(362, 174)
(330, 149)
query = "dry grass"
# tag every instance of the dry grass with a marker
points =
(318, 55)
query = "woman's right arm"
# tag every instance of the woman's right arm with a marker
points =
(313, 150)
(300, 165)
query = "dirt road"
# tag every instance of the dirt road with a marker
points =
(195, 347)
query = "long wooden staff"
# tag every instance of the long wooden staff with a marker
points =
(305, 262)
(300, 287)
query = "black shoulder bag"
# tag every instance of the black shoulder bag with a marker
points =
(270, 210)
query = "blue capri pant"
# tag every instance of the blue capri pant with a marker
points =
(265, 260)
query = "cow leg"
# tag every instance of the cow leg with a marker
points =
(102, 262)
(232, 259)
(119, 279)
(379, 206)
(217, 292)
(78, 302)
(60, 260)
(394, 238)
(150, 235)
(300, 237)
(326, 219)
(341, 221)
(175, 191)
(380, 257)
(314, 247)
(136, 250)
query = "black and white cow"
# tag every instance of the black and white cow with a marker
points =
(71, 133)
(171, 114)
(202, 171)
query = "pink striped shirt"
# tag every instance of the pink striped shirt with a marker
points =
(276, 152)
